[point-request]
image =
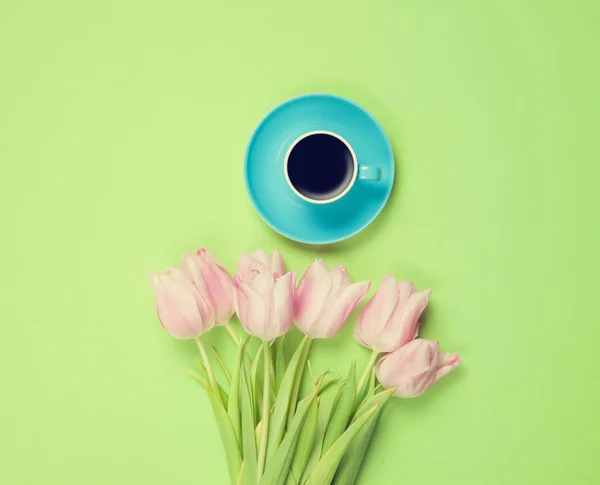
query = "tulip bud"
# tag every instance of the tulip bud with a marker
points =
(391, 318)
(182, 310)
(415, 367)
(325, 299)
(265, 304)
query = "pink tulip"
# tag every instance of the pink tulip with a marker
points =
(258, 261)
(213, 281)
(182, 310)
(391, 318)
(325, 299)
(266, 303)
(414, 368)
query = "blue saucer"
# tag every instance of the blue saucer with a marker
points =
(273, 198)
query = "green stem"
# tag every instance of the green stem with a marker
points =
(367, 372)
(298, 381)
(234, 336)
(209, 371)
(264, 431)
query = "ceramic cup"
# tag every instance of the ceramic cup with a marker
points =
(321, 167)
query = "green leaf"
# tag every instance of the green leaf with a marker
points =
(265, 411)
(203, 378)
(232, 452)
(304, 447)
(330, 383)
(257, 431)
(272, 378)
(272, 395)
(279, 465)
(278, 418)
(248, 440)
(368, 392)
(202, 368)
(240, 480)
(245, 376)
(206, 385)
(326, 407)
(200, 379)
(371, 387)
(310, 372)
(233, 409)
(343, 412)
(298, 378)
(351, 463)
(325, 470)
(256, 387)
(222, 365)
(224, 397)
(280, 362)
(379, 400)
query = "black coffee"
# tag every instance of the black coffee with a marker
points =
(320, 166)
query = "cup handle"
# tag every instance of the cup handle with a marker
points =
(372, 174)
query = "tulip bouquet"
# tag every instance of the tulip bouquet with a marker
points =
(272, 434)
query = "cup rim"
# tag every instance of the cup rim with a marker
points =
(354, 160)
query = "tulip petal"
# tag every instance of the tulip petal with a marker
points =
(403, 325)
(220, 291)
(311, 295)
(406, 324)
(205, 256)
(352, 296)
(177, 308)
(283, 306)
(154, 282)
(377, 311)
(191, 268)
(405, 289)
(263, 283)
(251, 309)
(244, 267)
(262, 260)
(249, 266)
(340, 280)
(345, 304)
(204, 307)
(358, 335)
(447, 362)
(218, 283)
(277, 264)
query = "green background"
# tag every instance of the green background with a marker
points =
(122, 131)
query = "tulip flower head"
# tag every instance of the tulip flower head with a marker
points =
(181, 308)
(391, 318)
(325, 299)
(415, 367)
